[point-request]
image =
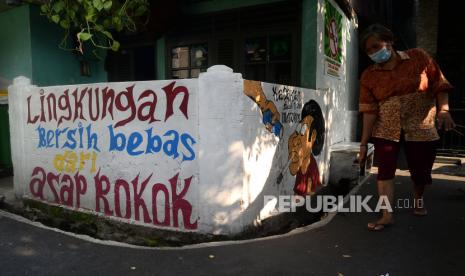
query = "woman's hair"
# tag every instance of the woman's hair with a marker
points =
(313, 109)
(378, 31)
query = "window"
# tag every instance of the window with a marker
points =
(189, 61)
(136, 63)
(269, 58)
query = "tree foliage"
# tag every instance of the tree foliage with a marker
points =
(95, 21)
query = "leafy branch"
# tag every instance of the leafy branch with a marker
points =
(94, 20)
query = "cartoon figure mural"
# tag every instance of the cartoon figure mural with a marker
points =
(270, 113)
(307, 141)
(304, 143)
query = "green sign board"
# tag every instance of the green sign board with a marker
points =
(333, 33)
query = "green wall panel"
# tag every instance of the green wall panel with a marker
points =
(54, 66)
(309, 43)
(15, 45)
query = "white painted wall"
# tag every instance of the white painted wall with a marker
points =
(237, 160)
(221, 165)
(266, 155)
(41, 173)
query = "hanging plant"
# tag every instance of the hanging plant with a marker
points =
(94, 21)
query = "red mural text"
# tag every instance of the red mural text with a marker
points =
(92, 104)
(65, 189)
(120, 198)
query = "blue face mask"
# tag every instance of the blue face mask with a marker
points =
(381, 56)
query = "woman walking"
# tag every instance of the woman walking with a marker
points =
(401, 96)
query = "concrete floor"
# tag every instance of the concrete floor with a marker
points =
(430, 245)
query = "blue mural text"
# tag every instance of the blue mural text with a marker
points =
(69, 138)
(171, 143)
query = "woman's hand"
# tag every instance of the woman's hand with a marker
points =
(445, 120)
(369, 120)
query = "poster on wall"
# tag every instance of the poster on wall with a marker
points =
(332, 40)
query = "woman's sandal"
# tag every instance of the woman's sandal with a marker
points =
(375, 226)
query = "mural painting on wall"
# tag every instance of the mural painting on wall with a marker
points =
(122, 150)
(332, 40)
(304, 144)
(271, 115)
(301, 124)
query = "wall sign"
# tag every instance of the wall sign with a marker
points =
(332, 40)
